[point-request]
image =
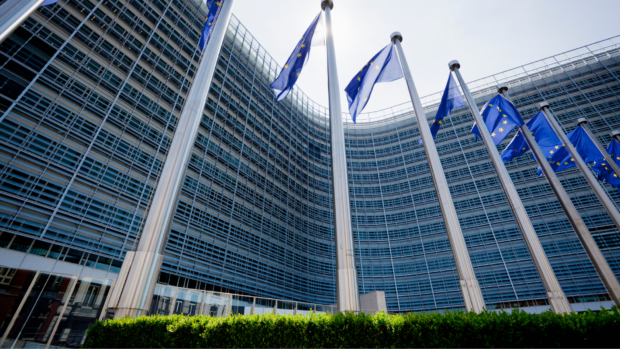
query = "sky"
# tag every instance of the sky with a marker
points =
(487, 37)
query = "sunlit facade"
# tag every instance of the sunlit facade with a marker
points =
(85, 138)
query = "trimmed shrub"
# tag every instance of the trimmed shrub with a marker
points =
(450, 329)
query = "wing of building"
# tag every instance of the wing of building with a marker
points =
(254, 217)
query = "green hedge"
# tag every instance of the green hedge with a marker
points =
(451, 329)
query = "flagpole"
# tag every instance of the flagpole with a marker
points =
(13, 13)
(596, 257)
(136, 281)
(598, 260)
(557, 298)
(346, 278)
(583, 123)
(467, 278)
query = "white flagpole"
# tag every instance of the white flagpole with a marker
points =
(596, 257)
(138, 276)
(469, 284)
(13, 13)
(346, 278)
(557, 298)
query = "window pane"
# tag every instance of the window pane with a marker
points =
(84, 308)
(37, 318)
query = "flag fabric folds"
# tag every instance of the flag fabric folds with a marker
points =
(543, 134)
(213, 7)
(604, 171)
(451, 99)
(562, 160)
(290, 72)
(500, 116)
(383, 67)
(49, 2)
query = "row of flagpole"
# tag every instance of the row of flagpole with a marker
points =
(499, 116)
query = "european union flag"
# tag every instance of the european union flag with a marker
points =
(213, 7)
(604, 171)
(543, 133)
(500, 117)
(451, 99)
(585, 147)
(383, 67)
(290, 73)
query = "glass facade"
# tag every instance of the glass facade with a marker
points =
(90, 93)
(46, 309)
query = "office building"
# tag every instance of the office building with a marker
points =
(84, 142)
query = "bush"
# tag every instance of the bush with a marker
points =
(451, 329)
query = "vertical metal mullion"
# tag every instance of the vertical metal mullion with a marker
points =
(387, 229)
(269, 136)
(19, 308)
(160, 145)
(243, 140)
(104, 309)
(415, 211)
(133, 161)
(62, 312)
(21, 95)
(501, 255)
(34, 33)
(99, 129)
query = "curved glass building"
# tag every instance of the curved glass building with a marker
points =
(84, 132)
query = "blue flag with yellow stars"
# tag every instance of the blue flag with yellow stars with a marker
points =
(451, 99)
(562, 160)
(604, 171)
(290, 73)
(213, 6)
(500, 116)
(383, 67)
(543, 134)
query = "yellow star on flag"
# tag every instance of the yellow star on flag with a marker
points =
(493, 134)
(505, 122)
(286, 66)
(501, 129)
(299, 55)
